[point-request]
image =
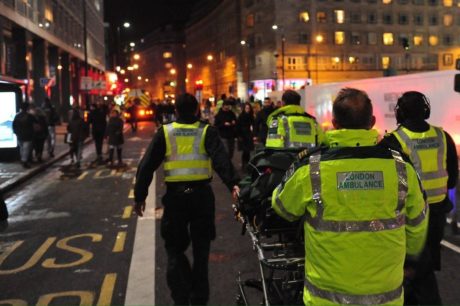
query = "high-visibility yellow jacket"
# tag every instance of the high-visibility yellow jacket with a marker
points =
(364, 212)
(289, 127)
(186, 159)
(428, 153)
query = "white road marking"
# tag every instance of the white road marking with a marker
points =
(141, 279)
(451, 246)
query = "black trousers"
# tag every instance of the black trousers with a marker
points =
(98, 141)
(422, 289)
(188, 218)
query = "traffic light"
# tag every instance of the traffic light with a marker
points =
(457, 76)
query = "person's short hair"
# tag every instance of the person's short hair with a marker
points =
(228, 102)
(291, 97)
(186, 104)
(352, 109)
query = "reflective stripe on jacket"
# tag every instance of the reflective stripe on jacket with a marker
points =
(186, 158)
(428, 153)
(290, 127)
(364, 211)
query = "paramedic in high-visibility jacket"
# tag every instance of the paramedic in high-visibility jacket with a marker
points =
(363, 207)
(190, 150)
(434, 156)
(290, 127)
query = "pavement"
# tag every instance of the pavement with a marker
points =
(12, 173)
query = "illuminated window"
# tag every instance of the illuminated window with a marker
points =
(339, 16)
(335, 60)
(388, 39)
(339, 37)
(304, 17)
(448, 3)
(250, 20)
(352, 59)
(418, 40)
(321, 17)
(433, 40)
(168, 65)
(48, 13)
(385, 62)
(295, 63)
(448, 20)
(167, 55)
(386, 1)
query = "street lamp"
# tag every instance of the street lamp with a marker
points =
(276, 27)
(318, 39)
(125, 25)
(248, 82)
(210, 58)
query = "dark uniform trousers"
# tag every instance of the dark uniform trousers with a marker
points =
(423, 288)
(188, 217)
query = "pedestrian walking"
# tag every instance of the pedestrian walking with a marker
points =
(97, 119)
(433, 153)
(290, 127)
(244, 131)
(132, 110)
(363, 207)
(23, 127)
(115, 136)
(40, 132)
(260, 122)
(79, 131)
(225, 121)
(52, 117)
(187, 147)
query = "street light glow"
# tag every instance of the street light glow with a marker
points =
(136, 56)
(135, 66)
(59, 67)
(275, 27)
(139, 78)
(189, 66)
(126, 80)
(319, 38)
(122, 71)
(243, 42)
(131, 44)
(126, 25)
(209, 57)
(172, 71)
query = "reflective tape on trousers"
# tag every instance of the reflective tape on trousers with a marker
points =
(354, 299)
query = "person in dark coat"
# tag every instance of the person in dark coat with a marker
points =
(98, 121)
(52, 118)
(244, 131)
(114, 133)
(40, 131)
(225, 122)
(23, 127)
(260, 123)
(79, 131)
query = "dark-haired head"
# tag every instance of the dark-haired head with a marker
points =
(24, 106)
(352, 109)
(290, 97)
(412, 105)
(186, 105)
(75, 114)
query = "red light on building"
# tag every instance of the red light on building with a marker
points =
(199, 85)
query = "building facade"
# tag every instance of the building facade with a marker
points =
(43, 48)
(252, 47)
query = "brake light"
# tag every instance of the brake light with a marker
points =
(142, 112)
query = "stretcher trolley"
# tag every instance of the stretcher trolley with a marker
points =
(278, 246)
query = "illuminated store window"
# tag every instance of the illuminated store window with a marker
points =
(339, 37)
(167, 55)
(448, 3)
(433, 40)
(339, 16)
(304, 17)
(386, 1)
(388, 39)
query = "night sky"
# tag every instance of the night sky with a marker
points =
(146, 15)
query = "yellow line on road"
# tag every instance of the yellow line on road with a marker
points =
(108, 285)
(131, 194)
(127, 212)
(83, 175)
(120, 242)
